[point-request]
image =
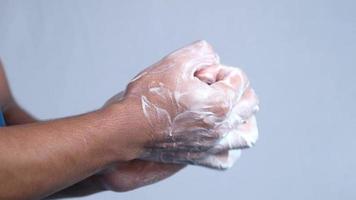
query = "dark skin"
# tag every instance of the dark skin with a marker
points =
(100, 150)
(119, 176)
(15, 115)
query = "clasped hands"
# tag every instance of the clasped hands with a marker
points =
(191, 110)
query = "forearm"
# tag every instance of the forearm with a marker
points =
(39, 159)
(15, 115)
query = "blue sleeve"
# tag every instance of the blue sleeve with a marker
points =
(2, 119)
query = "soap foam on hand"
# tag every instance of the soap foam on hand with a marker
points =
(200, 112)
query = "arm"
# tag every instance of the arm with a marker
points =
(121, 177)
(40, 158)
(184, 109)
(15, 115)
(56, 154)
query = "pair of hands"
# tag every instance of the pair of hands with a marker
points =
(192, 110)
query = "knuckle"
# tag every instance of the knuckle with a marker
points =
(223, 109)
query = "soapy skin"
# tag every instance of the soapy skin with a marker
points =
(199, 111)
(187, 108)
(238, 125)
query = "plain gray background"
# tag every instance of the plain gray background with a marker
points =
(68, 57)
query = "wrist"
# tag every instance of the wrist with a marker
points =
(127, 133)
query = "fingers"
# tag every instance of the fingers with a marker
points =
(244, 109)
(239, 128)
(221, 161)
(194, 56)
(218, 160)
(230, 84)
(177, 157)
(245, 136)
(243, 126)
(232, 77)
(208, 74)
(231, 80)
(247, 106)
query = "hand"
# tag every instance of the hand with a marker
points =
(125, 176)
(131, 175)
(193, 110)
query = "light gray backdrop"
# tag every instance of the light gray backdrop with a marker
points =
(68, 57)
